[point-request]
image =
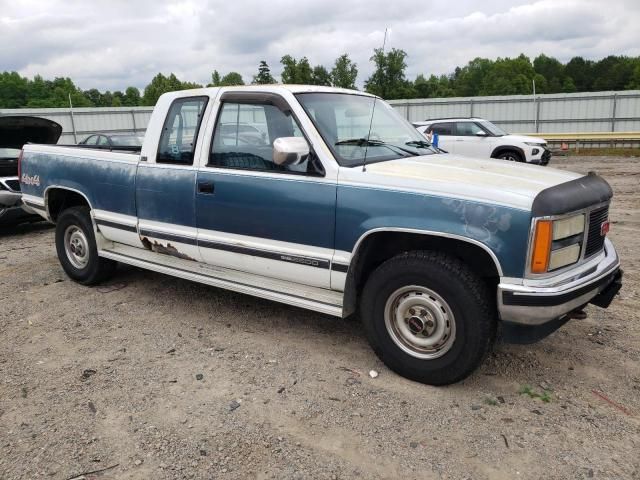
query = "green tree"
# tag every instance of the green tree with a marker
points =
(469, 79)
(13, 90)
(289, 65)
(568, 86)
(634, 83)
(388, 80)
(509, 76)
(215, 79)
(231, 79)
(580, 71)
(320, 76)
(344, 73)
(304, 72)
(264, 76)
(552, 70)
(131, 97)
(159, 85)
(433, 87)
(296, 71)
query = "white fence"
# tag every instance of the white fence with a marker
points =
(554, 113)
(78, 123)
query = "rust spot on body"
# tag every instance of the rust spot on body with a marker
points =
(167, 249)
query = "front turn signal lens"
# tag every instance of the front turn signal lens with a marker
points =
(542, 246)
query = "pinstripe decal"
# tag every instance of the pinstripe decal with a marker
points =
(120, 226)
(283, 257)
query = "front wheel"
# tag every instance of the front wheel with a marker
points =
(511, 156)
(428, 317)
(77, 250)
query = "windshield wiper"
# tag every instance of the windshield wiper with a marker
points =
(362, 142)
(419, 144)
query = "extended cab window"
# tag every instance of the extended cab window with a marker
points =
(244, 136)
(442, 128)
(180, 131)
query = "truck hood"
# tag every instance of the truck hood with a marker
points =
(493, 181)
(15, 131)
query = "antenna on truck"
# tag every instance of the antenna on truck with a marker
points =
(373, 111)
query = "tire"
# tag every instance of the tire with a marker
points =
(459, 326)
(77, 250)
(511, 155)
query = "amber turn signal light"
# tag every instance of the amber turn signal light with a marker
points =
(541, 246)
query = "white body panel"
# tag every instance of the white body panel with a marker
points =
(489, 181)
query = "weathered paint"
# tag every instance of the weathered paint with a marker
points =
(289, 208)
(108, 185)
(503, 230)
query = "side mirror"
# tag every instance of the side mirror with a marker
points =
(481, 133)
(290, 150)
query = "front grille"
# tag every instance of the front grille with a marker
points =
(595, 240)
(13, 185)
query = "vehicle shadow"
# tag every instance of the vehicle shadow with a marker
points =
(24, 229)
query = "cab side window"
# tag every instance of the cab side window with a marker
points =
(467, 129)
(244, 135)
(441, 128)
(180, 131)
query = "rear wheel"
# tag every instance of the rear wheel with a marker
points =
(77, 250)
(429, 317)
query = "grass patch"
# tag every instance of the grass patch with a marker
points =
(490, 401)
(545, 396)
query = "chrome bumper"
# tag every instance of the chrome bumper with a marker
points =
(542, 301)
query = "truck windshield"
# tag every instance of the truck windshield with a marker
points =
(345, 123)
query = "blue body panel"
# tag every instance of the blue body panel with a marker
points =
(504, 230)
(287, 208)
(108, 185)
(166, 194)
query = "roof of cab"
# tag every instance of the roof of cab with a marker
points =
(274, 88)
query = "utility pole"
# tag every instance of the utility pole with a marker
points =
(73, 122)
(535, 109)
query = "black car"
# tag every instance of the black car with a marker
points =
(113, 141)
(15, 131)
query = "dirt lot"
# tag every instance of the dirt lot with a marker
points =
(169, 379)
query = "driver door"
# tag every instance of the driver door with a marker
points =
(254, 215)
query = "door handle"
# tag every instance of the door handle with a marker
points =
(205, 187)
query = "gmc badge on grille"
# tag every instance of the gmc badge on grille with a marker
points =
(604, 228)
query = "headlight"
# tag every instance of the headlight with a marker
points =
(534, 144)
(557, 243)
(568, 227)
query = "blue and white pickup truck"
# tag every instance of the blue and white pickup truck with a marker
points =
(327, 199)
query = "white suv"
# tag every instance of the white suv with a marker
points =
(476, 137)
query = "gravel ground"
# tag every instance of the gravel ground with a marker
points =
(158, 377)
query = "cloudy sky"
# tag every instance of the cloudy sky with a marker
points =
(110, 44)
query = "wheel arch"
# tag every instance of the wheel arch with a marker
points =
(508, 148)
(57, 198)
(378, 245)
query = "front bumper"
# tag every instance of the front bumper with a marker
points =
(543, 158)
(543, 301)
